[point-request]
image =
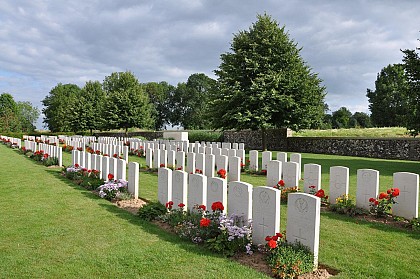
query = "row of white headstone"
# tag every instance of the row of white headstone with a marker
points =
(259, 204)
(53, 151)
(267, 156)
(15, 141)
(111, 149)
(367, 184)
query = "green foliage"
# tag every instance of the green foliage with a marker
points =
(152, 211)
(206, 136)
(289, 260)
(341, 118)
(9, 120)
(264, 83)
(388, 103)
(345, 205)
(415, 224)
(127, 105)
(58, 105)
(411, 64)
(391, 132)
(28, 116)
(160, 95)
(360, 120)
(190, 102)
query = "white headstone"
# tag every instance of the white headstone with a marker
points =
(164, 185)
(156, 158)
(339, 182)
(253, 160)
(242, 146)
(282, 157)
(99, 165)
(266, 157)
(180, 160)
(241, 154)
(232, 152)
(190, 162)
(240, 200)
(265, 213)
(217, 151)
(235, 145)
(197, 190)
(273, 173)
(367, 187)
(164, 158)
(171, 158)
(311, 177)
(407, 205)
(297, 157)
(105, 167)
(179, 188)
(209, 165)
(149, 157)
(121, 169)
(200, 162)
(216, 191)
(303, 221)
(133, 179)
(234, 173)
(113, 167)
(290, 174)
(222, 162)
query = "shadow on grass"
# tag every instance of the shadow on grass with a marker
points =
(373, 225)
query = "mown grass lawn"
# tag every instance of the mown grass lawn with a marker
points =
(51, 228)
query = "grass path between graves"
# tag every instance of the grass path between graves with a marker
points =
(55, 229)
(51, 228)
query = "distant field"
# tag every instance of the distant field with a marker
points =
(391, 132)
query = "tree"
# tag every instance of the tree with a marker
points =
(160, 96)
(411, 65)
(341, 118)
(127, 105)
(57, 107)
(9, 121)
(264, 83)
(190, 102)
(86, 112)
(28, 115)
(388, 103)
(360, 119)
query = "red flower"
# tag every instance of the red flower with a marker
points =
(169, 204)
(320, 193)
(115, 155)
(198, 171)
(162, 165)
(376, 202)
(221, 172)
(267, 238)
(98, 152)
(383, 196)
(275, 237)
(279, 235)
(389, 191)
(312, 186)
(281, 183)
(395, 192)
(180, 168)
(205, 222)
(272, 244)
(203, 207)
(264, 172)
(110, 176)
(76, 165)
(84, 169)
(372, 200)
(181, 205)
(217, 206)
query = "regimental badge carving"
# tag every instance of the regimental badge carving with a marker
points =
(301, 205)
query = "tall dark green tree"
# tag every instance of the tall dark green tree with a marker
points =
(341, 118)
(411, 65)
(388, 103)
(160, 95)
(126, 105)
(190, 102)
(28, 116)
(86, 113)
(360, 120)
(57, 107)
(265, 83)
(9, 121)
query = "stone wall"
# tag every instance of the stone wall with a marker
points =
(384, 148)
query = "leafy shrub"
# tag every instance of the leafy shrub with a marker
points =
(345, 205)
(152, 211)
(415, 224)
(383, 204)
(207, 136)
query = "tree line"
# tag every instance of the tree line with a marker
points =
(17, 116)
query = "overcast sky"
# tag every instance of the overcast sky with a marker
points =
(43, 43)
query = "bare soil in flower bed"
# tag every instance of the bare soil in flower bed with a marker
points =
(255, 261)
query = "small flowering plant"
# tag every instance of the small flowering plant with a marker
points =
(113, 189)
(285, 191)
(222, 173)
(198, 171)
(320, 194)
(383, 204)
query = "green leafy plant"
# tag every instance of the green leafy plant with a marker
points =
(151, 211)
(382, 205)
(287, 260)
(285, 191)
(345, 205)
(415, 224)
